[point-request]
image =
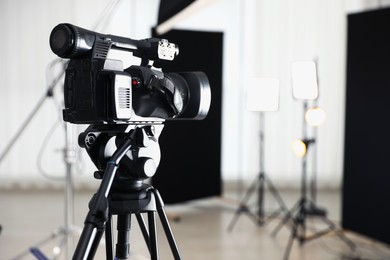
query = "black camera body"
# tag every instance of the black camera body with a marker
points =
(95, 95)
(98, 90)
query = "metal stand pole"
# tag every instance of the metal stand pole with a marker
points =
(313, 185)
(305, 208)
(70, 158)
(261, 180)
(23, 126)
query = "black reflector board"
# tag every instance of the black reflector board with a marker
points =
(190, 166)
(366, 185)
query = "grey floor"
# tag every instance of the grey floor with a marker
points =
(29, 217)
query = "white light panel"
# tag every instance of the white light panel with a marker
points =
(304, 80)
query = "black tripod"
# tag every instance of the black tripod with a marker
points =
(122, 197)
(303, 209)
(260, 218)
(259, 184)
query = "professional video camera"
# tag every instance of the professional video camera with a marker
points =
(123, 107)
(98, 90)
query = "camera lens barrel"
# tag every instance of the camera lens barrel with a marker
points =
(69, 41)
(198, 96)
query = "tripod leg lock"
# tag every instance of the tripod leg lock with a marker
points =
(98, 213)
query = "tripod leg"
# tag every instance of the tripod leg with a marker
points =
(234, 220)
(243, 205)
(109, 239)
(153, 236)
(123, 245)
(169, 235)
(144, 231)
(287, 216)
(165, 225)
(94, 223)
(339, 233)
(89, 240)
(276, 194)
(291, 240)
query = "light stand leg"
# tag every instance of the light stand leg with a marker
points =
(290, 243)
(66, 231)
(277, 197)
(243, 207)
(289, 214)
(259, 183)
(69, 158)
(35, 247)
(339, 233)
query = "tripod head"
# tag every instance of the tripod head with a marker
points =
(138, 164)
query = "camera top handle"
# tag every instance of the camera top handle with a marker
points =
(69, 41)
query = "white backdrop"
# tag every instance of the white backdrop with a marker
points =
(261, 39)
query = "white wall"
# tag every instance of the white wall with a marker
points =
(26, 26)
(261, 39)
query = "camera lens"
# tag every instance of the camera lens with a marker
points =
(69, 41)
(62, 40)
(195, 89)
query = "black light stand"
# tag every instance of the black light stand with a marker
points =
(259, 183)
(306, 207)
(66, 231)
(313, 181)
(23, 126)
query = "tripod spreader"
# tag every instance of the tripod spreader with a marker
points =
(142, 198)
